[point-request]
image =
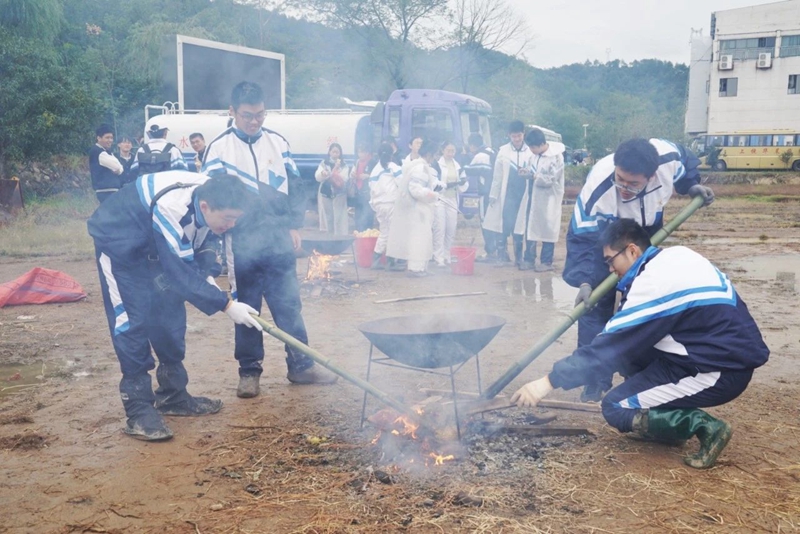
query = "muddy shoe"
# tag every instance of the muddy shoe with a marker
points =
(148, 427)
(312, 375)
(543, 267)
(592, 393)
(191, 407)
(714, 436)
(248, 387)
(525, 266)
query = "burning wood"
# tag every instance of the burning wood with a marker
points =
(319, 266)
(398, 437)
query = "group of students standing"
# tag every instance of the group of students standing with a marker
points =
(415, 200)
(111, 170)
(412, 201)
(524, 199)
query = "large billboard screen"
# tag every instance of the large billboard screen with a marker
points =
(200, 74)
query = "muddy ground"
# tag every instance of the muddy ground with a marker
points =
(295, 460)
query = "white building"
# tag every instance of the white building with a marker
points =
(748, 80)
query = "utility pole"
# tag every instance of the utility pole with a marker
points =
(584, 135)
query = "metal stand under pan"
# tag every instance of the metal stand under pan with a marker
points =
(428, 342)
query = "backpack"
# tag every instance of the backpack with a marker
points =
(154, 161)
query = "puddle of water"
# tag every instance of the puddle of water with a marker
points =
(782, 268)
(19, 378)
(545, 288)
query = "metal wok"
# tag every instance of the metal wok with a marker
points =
(325, 243)
(435, 340)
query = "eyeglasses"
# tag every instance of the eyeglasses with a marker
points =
(610, 261)
(629, 189)
(249, 117)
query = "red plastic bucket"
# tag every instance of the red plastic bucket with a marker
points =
(365, 246)
(462, 260)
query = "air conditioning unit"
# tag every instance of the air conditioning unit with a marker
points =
(725, 62)
(764, 60)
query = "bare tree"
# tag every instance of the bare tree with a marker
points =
(482, 28)
(391, 29)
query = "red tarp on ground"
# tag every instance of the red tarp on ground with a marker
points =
(40, 286)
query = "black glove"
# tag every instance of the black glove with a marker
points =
(451, 185)
(438, 187)
(698, 190)
(584, 292)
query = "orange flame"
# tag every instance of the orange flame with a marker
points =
(409, 427)
(439, 459)
(319, 266)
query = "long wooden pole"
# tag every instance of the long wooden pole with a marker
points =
(293, 342)
(605, 286)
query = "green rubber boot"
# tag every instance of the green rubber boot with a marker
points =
(682, 424)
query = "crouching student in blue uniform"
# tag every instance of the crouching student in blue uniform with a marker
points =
(682, 337)
(150, 241)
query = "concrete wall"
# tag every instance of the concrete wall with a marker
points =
(699, 73)
(762, 102)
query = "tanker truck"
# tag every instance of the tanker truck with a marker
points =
(408, 113)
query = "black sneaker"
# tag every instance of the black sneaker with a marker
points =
(191, 407)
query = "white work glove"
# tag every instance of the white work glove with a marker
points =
(529, 395)
(584, 292)
(213, 282)
(698, 190)
(239, 312)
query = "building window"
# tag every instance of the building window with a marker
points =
(790, 45)
(728, 86)
(793, 84)
(742, 49)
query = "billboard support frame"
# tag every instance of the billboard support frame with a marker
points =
(185, 39)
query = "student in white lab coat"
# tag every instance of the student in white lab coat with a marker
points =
(545, 192)
(506, 212)
(446, 214)
(382, 195)
(411, 233)
(332, 175)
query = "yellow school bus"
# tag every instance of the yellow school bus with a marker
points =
(759, 150)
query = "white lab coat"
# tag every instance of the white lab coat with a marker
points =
(383, 194)
(544, 217)
(445, 212)
(411, 232)
(509, 160)
(332, 211)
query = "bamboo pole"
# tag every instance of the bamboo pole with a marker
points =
(279, 334)
(605, 286)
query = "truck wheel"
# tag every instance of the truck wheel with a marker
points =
(720, 166)
(796, 166)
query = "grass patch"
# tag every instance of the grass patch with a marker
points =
(772, 198)
(55, 226)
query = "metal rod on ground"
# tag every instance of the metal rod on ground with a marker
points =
(427, 297)
(605, 286)
(279, 334)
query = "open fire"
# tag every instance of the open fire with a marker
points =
(319, 266)
(397, 436)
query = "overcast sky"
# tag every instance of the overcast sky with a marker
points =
(574, 31)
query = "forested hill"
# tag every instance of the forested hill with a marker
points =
(68, 65)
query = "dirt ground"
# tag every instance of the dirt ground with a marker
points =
(295, 460)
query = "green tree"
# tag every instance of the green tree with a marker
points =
(38, 19)
(46, 110)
